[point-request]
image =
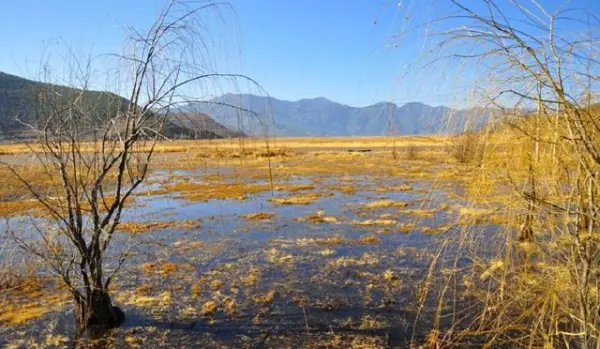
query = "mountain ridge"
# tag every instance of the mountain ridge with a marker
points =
(322, 117)
(19, 101)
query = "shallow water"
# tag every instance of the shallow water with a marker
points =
(349, 292)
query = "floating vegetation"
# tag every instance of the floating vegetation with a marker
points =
(327, 252)
(168, 268)
(317, 218)
(195, 289)
(376, 222)
(212, 191)
(259, 216)
(372, 323)
(390, 275)
(494, 267)
(345, 189)
(365, 259)
(146, 227)
(277, 257)
(384, 204)
(295, 187)
(13, 313)
(252, 278)
(398, 188)
(215, 285)
(418, 212)
(264, 299)
(208, 309)
(338, 241)
(299, 199)
(19, 208)
(230, 306)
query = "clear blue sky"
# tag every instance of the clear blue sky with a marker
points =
(295, 48)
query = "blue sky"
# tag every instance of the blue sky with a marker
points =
(336, 49)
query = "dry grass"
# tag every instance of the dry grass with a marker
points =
(292, 188)
(208, 309)
(28, 298)
(384, 204)
(146, 227)
(19, 208)
(259, 216)
(418, 212)
(17, 315)
(369, 222)
(265, 299)
(398, 188)
(338, 241)
(305, 199)
(318, 218)
(212, 191)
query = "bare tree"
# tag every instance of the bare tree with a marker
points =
(96, 148)
(540, 67)
(539, 61)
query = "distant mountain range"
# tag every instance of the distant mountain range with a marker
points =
(257, 115)
(18, 100)
(237, 115)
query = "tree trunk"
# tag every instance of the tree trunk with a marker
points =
(97, 311)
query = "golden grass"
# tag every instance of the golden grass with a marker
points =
(346, 189)
(398, 188)
(259, 216)
(292, 188)
(195, 290)
(384, 204)
(24, 313)
(208, 309)
(368, 322)
(318, 218)
(28, 301)
(256, 146)
(168, 268)
(418, 212)
(252, 278)
(278, 257)
(369, 222)
(146, 227)
(264, 299)
(327, 252)
(304, 199)
(230, 306)
(215, 285)
(338, 241)
(18, 208)
(212, 191)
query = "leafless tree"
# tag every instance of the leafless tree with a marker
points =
(96, 148)
(540, 67)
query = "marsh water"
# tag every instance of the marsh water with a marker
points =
(332, 272)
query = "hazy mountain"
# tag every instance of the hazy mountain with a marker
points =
(200, 126)
(19, 98)
(322, 117)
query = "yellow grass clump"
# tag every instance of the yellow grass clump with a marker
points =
(259, 216)
(368, 222)
(295, 187)
(19, 208)
(208, 309)
(146, 227)
(306, 199)
(318, 218)
(213, 191)
(385, 204)
(418, 212)
(398, 188)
